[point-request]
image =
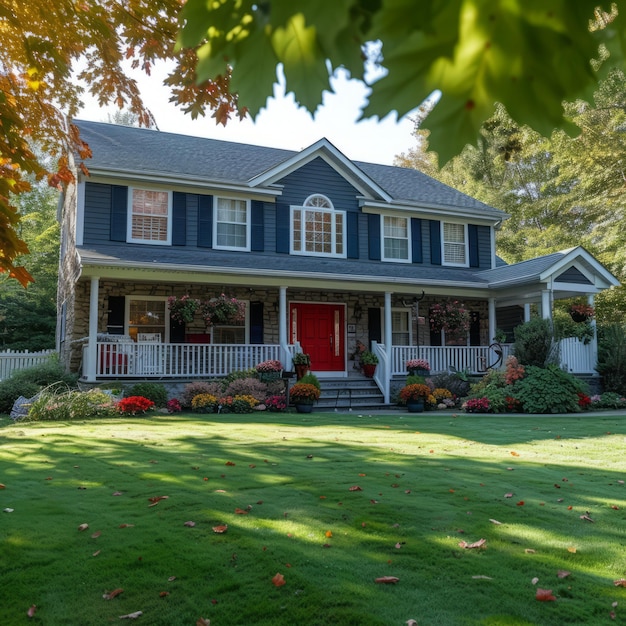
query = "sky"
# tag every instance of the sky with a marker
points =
(284, 124)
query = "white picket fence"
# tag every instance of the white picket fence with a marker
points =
(12, 360)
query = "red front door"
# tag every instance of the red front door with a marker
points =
(320, 330)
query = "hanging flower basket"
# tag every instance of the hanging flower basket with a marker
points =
(223, 310)
(451, 317)
(183, 309)
(581, 312)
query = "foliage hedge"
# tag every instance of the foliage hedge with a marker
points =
(153, 391)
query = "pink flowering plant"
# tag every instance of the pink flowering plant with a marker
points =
(477, 405)
(134, 405)
(451, 317)
(223, 310)
(173, 406)
(276, 403)
(183, 309)
(417, 364)
(271, 365)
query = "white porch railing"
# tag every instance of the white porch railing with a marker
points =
(577, 357)
(176, 360)
(473, 359)
(11, 361)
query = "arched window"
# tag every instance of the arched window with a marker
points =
(317, 228)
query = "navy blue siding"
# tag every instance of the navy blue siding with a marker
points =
(435, 242)
(573, 275)
(257, 229)
(282, 228)
(373, 228)
(416, 240)
(205, 221)
(179, 219)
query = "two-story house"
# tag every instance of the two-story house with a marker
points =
(325, 252)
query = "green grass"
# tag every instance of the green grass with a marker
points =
(428, 481)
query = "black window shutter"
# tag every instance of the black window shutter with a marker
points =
(474, 330)
(257, 233)
(282, 228)
(373, 236)
(416, 240)
(435, 242)
(474, 254)
(179, 219)
(374, 325)
(177, 332)
(205, 221)
(256, 322)
(353, 234)
(119, 212)
(115, 315)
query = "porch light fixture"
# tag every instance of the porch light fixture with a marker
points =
(357, 312)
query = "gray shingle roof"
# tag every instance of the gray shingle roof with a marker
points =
(523, 271)
(140, 150)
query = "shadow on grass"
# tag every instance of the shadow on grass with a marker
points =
(425, 484)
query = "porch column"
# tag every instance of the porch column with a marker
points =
(89, 368)
(388, 346)
(527, 312)
(282, 326)
(492, 319)
(546, 305)
(594, 339)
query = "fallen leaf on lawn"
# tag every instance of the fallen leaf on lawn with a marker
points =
(508, 495)
(569, 508)
(126, 525)
(278, 580)
(513, 453)
(495, 521)
(411, 622)
(374, 501)
(241, 511)
(362, 475)
(529, 551)
(220, 491)
(563, 573)
(326, 545)
(96, 534)
(476, 544)
(620, 482)
(112, 594)
(586, 518)
(3, 486)
(620, 583)
(328, 533)
(252, 466)
(387, 580)
(616, 508)
(222, 528)
(398, 546)
(117, 493)
(203, 622)
(560, 500)
(557, 486)
(162, 594)
(32, 610)
(134, 615)
(535, 580)
(7, 510)
(355, 488)
(96, 553)
(156, 499)
(544, 595)
(171, 579)
(190, 524)
(482, 577)
(153, 462)
(572, 549)
(83, 527)
(230, 463)
(520, 503)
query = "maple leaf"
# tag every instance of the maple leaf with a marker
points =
(156, 499)
(544, 595)
(239, 511)
(620, 583)
(571, 549)
(355, 488)
(31, 611)
(562, 573)
(387, 580)
(520, 503)
(203, 622)
(328, 533)
(162, 594)
(112, 594)
(477, 544)
(513, 453)
(222, 528)
(230, 463)
(278, 580)
(3, 486)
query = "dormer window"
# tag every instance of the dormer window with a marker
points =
(454, 240)
(317, 228)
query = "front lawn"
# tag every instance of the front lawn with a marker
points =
(331, 502)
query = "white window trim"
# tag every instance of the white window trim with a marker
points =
(127, 300)
(443, 246)
(409, 258)
(398, 309)
(245, 248)
(333, 212)
(129, 220)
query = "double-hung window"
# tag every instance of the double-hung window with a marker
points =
(454, 239)
(232, 224)
(150, 216)
(396, 240)
(317, 228)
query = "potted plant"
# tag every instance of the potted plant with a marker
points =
(369, 361)
(223, 310)
(451, 317)
(269, 370)
(581, 312)
(182, 309)
(304, 395)
(414, 396)
(301, 363)
(418, 367)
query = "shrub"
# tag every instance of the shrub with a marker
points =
(276, 403)
(477, 405)
(534, 343)
(153, 391)
(244, 404)
(225, 404)
(271, 365)
(11, 389)
(204, 403)
(612, 357)
(608, 400)
(134, 405)
(249, 373)
(247, 387)
(62, 405)
(458, 386)
(414, 392)
(195, 389)
(304, 392)
(310, 379)
(173, 406)
(440, 394)
(514, 371)
(46, 374)
(548, 390)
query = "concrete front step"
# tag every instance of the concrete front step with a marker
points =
(350, 393)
